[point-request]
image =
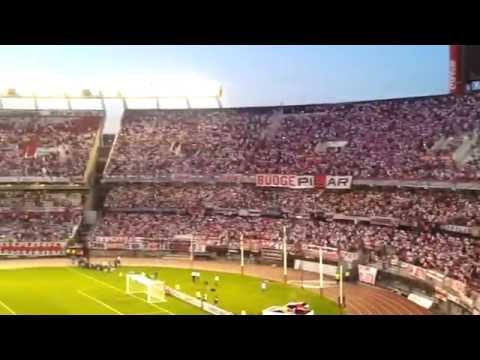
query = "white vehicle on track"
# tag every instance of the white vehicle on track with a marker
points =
(293, 308)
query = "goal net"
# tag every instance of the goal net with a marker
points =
(140, 284)
(313, 284)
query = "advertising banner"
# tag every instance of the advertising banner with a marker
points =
(333, 182)
(349, 257)
(436, 277)
(457, 229)
(249, 212)
(455, 285)
(384, 221)
(285, 181)
(304, 181)
(32, 248)
(135, 245)
(330, 254)
(417, 272)
(367, 274)
(212, 309)
(113, 242)
(335, 144)
(97, 245)
(33, 179)
(420, 300)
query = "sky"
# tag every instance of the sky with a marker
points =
(251, 75)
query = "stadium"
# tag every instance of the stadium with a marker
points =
(360, 208)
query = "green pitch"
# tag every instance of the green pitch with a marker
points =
(81, 291)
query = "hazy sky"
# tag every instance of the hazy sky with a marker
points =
(251, 75)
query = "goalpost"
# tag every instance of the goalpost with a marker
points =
(140, 284)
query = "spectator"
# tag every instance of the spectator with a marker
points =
(34, 145)
(399, 139)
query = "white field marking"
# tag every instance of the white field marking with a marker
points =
(100, 302)
(8, 309)
(150, 313)
(120, 290)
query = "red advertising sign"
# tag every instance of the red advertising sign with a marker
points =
(31, 249)
(304, 181)
(285, 181)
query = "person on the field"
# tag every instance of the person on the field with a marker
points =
(264, 285)
(217, 279)
(215, 300)
(195, 276)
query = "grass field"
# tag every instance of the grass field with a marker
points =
(72, 291)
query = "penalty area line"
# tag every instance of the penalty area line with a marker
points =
(119, 290)
(8, 309)
(100, 302)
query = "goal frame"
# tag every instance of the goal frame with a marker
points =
(140, 284)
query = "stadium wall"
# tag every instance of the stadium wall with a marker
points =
(445, 299)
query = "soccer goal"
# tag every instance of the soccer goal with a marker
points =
(140, 284)
(313, 284)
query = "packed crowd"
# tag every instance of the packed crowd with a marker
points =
(32, 216)
(398, 139)
(39, 199)
(38, 146)
(223, 228)
(453, 255)
(383, 139)
(416, 207)
(38, 226)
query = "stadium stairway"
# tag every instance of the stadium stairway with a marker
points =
(462, 152)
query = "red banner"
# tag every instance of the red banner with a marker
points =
(31, 249)
(285, 181)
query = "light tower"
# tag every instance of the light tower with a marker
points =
(457, 83)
